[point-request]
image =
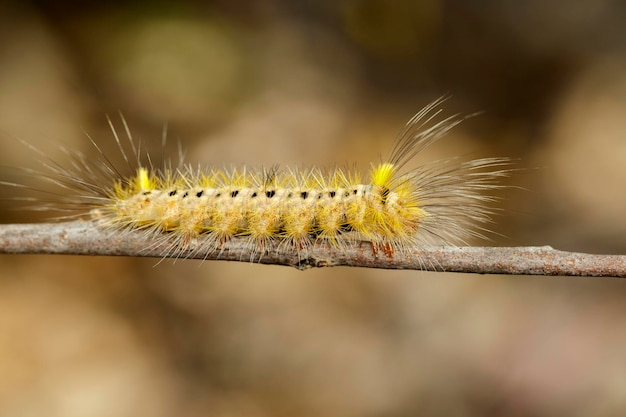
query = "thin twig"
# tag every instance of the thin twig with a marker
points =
(85, 238)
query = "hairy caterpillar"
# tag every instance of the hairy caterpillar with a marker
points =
(395, 208)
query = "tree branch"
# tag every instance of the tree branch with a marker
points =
(85, 238)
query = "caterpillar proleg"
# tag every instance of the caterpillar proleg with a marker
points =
(396, 207)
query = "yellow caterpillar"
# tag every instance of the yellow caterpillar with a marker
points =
(395, 207)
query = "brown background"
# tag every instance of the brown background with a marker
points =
(321, 83)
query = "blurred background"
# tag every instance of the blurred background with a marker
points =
(321, 83)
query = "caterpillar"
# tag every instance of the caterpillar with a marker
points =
(396, 207)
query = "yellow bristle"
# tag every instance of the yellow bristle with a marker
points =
(382, 174)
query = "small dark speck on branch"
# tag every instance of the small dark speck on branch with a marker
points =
(86, 238)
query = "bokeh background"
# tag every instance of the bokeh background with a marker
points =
(321, 83)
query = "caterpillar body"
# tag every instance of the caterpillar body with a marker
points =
(395, 208)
